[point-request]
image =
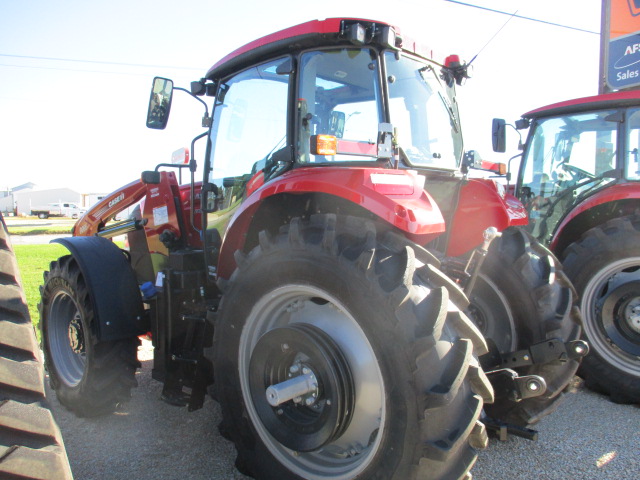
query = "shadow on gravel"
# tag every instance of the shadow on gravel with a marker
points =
(147, 439)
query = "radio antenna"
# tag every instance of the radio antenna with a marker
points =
(494, 36)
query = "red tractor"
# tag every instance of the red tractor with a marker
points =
(315, 281)
(579, 180)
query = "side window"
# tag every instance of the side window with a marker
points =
(632, 157)
(249, 128)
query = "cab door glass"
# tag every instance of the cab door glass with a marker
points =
(248, 135)
(339, 86)
(567, 157)
(632, 159)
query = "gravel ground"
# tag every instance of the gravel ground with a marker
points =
(588, 438)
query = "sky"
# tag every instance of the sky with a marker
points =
(75, 75)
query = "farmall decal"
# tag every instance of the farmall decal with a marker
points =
(116, 200)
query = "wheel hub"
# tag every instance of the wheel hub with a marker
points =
(76, 335)
(632, 314)
(301, 386)
(619, 315)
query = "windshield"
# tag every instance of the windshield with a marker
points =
(425, 118)
(567, 157)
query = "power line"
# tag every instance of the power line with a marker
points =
(522, 17)
(138, 65)
(107, 72)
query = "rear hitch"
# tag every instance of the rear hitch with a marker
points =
(508, 384)
(546, 352)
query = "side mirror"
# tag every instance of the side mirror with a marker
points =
(160, 103)
(336, 124)
(499, 136)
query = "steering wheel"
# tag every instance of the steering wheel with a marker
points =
(577, 173)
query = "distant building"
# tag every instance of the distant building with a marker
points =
(24, 199)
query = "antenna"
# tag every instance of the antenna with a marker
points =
(494, 36)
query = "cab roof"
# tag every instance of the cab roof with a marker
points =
(331, 31)
(607, 100)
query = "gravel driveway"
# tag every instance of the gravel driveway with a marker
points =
(587, 438)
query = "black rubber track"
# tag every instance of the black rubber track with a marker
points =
(109, 368)
(425, 347)
(542, 302)
(608, 368)
(31, 446)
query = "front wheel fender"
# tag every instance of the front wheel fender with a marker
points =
(112, 286)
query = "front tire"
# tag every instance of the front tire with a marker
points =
(604, 266)
(522, 298)
(90, 377)
(397, 390)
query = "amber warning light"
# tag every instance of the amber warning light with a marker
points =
(324, 145)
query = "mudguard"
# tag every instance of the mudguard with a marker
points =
(112, 286)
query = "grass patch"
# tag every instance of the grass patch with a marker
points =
(33, 260)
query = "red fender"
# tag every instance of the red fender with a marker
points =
(483, 203)
(623, 191)
(395, 196)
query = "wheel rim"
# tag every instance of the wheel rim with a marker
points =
(301, 307)
(611, 310)
(490, 311)
(66, 339)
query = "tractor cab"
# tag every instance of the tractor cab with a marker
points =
(347, 93)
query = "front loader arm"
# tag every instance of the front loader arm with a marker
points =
(98, 215)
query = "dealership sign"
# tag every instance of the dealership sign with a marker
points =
(622, 28)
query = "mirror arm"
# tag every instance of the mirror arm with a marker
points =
(192, 168)
(206, 120)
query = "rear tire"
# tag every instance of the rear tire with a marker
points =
(604, 265)
(400, 389)
(31, 445)
(90, 377)
(522, 298)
